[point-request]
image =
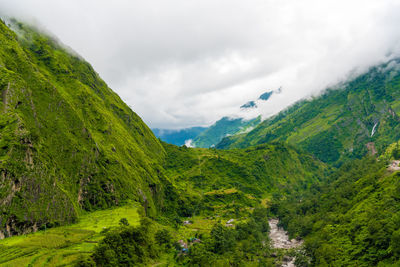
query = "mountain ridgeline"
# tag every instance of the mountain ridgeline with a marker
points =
(223, 127)
(343, 123)
(206, 137)
(178, 137)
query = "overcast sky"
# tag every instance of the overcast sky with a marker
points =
(181, 63)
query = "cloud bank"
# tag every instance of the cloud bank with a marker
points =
(187, 63)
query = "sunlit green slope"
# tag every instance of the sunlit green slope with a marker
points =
(257, 171)
(64, 245)
(67, 141)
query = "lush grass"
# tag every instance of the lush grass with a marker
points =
(222, 192)
(63, 245)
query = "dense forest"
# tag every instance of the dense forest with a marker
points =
(350, 219)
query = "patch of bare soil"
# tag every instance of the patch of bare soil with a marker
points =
(371, 148)
(394, 166)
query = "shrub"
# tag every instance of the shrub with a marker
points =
(163, 237)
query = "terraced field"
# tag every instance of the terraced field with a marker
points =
(62, 246)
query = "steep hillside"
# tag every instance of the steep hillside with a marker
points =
(67, 141)
(351, 219)
(344, 123)
(258, 171)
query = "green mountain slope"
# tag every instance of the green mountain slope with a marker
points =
(259, 171)
(223, 127)
(351, 219)
(340, 124)
(67, 141)
(206, 136)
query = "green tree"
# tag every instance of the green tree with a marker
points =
(395, 244)
(163, 237)
(126, 246)
(124, 221)
(200, 255)
(223, 239)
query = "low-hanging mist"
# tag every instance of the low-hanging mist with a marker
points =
(186, 63)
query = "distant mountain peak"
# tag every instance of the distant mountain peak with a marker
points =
(226, 126)
(265, 96)
(250, 104)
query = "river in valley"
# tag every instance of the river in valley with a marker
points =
(280, 239)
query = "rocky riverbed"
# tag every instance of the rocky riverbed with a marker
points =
(280, 239)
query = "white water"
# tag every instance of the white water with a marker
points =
(280, 239)
(373, 129)
(189, 143)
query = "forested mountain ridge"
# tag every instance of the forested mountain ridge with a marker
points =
(258, 171)
(352, 218)
(70, 148)
(342, 123)
(67, 141)
(228, 126)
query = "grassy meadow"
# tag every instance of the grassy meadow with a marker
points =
(61, 246)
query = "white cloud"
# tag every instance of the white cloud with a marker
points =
(186, 63)
(189, 143)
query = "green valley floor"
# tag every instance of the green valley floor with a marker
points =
(62, 246)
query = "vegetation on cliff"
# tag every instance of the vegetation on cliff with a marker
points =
(68, 143)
